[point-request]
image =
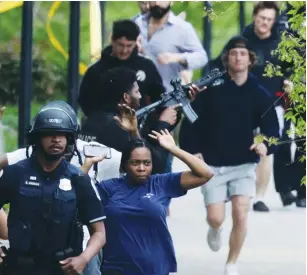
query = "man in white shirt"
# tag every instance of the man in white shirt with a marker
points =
(107, 169)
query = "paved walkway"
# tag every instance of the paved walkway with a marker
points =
(275, 244)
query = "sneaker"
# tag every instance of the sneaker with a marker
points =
(214, 239)
(287, 198)
(301, 203)
(231, 269)
(260, 206)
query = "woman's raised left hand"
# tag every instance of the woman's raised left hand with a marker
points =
(164, 138)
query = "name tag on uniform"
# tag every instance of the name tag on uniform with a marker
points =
(32, 183)
(65, 185)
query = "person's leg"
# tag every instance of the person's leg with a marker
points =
(298, 174)
(263, 175)
(215, 219)
(282, 161)
(240, 206)
(241, 190)
(215, 195)
(283, 175)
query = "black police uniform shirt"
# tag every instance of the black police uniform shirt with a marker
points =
(34, 224)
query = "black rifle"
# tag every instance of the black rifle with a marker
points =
(179, 95)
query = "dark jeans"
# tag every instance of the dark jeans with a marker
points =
(168, 168)
(112, 272)
(93, 267)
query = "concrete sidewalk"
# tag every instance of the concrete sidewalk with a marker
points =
(275, 244)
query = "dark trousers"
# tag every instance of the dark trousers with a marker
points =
(288, 173)
(28, 267)
(288, 176)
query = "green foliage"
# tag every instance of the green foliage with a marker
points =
(227, 18)
(55, 65)
(47, 77)
(261, 138)
(6, 208)
(292, 50)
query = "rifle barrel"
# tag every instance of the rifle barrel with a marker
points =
(148, 108)
(204, 81)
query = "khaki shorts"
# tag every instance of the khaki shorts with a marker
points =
(230, 181)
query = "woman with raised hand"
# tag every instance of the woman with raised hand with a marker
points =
(138, 239)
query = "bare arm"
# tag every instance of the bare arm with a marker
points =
(89, 162)
(96, 241)
(200, 172)
(91, 212)
(3, 225)
(76, 265)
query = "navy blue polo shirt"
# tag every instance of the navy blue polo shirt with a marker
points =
(25, 185)
(138, 239)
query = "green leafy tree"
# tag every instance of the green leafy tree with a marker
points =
(292, 50)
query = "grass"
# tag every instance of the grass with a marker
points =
(225, 25)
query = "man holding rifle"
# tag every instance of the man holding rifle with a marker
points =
(223, 135)
(122, 87)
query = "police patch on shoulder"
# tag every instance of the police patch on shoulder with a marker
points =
(1, 173)
(65, 185)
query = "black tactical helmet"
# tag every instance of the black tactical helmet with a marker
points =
(56, 116)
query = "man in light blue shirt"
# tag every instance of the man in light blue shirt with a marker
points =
(170, 42)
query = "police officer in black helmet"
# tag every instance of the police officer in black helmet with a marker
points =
(49, 200)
